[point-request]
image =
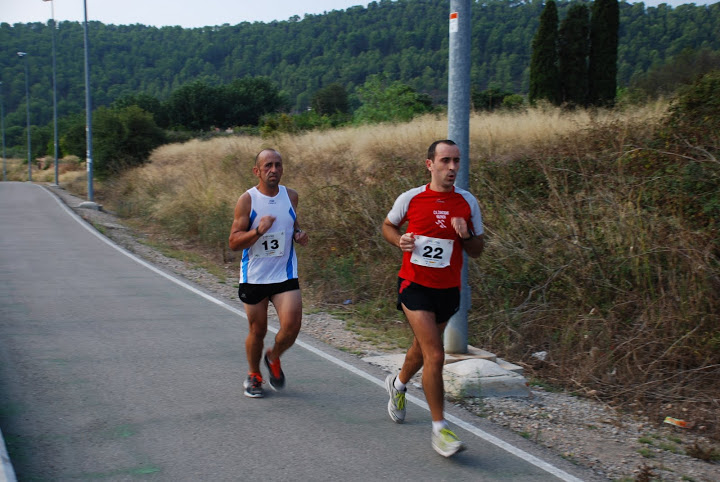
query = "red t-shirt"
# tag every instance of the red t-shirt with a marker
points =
(435, 263)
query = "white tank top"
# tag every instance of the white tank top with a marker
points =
(272, 258)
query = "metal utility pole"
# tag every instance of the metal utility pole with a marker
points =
(2, 126)
(456, 332)
(88, 109)
(27, 106)
(54, 67)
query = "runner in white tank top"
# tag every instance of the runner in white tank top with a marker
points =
(265, 228)
(272, 258)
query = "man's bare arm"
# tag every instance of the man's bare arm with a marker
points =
(392, 234)
(300, 236)
(474, 247)
(240, 237)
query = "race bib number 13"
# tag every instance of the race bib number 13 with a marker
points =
(432, 252)
(269, 245)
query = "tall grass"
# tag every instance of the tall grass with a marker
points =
(591, 254)
(43, 169)
(621, 291)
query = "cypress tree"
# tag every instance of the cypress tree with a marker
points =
(544, 81)
(602, 69)
(573, 50)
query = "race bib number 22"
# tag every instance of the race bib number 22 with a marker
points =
(432, 252)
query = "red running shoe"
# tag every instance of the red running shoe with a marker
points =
(253, 386)
(277, 377)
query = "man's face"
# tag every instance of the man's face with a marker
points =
(269, 169)
(444, 167)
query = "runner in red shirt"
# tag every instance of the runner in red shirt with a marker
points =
(442, 222)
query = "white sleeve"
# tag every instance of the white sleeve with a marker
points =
(475, 214)
(400, 208)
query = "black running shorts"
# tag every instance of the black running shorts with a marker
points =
(253, 294)
(443, 302)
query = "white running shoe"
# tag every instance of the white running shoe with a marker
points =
(396, 404)
(446, 443)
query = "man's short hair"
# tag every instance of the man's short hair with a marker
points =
(257, 157)
(433, 146)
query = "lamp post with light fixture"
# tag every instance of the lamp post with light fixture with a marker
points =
(54, 64)
(27, 104)
(88, 109)
(2, 126)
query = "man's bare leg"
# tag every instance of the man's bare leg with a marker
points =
(427, 352)
(257, 318)
(289, 309)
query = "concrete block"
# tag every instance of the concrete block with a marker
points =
(472, 352)
(90, 205)
(483, 378)
(469, 377)
(511, 367)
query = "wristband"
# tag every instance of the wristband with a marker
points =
(472, 235)
(257, 231)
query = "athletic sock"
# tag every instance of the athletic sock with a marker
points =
(437, 426)
(400, 386)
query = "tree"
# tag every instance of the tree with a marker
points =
(544, 79)
(194, 106)
(513, 102)
(695, 116)
(73, 141)
(573, 49)
(683, 69)
(602, 69)
(123, 138)
(148, 103)
(245, 101)
(489, 100)
(406, 39)
(330, 100)
(389, 102)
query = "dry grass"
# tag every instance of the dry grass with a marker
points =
(43, 170)
(587, 257)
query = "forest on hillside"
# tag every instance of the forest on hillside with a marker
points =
(407, 40)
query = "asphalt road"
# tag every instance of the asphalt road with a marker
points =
(111, 369)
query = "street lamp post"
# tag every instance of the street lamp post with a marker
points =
(54, 67)
(88, 109)
(2, 126)
(27, 104)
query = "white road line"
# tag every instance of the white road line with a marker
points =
(529, 458)
(7, 473)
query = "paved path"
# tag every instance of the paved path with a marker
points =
(111, 369)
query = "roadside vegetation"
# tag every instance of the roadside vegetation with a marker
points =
(601, 226)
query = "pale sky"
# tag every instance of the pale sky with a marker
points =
(186, 13)
(189, 13)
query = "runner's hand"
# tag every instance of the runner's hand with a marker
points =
(301, 237)
(460, 226)
(265, 224)
(407, 242)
